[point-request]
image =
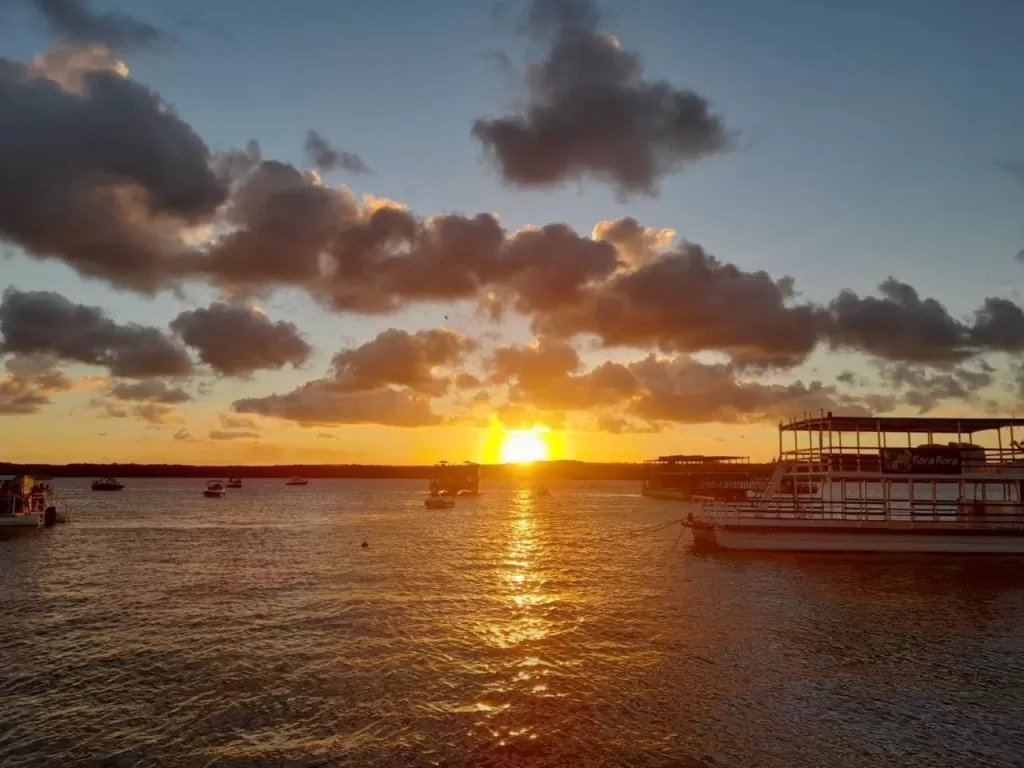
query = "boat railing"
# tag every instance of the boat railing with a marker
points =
(869, 458)
(957, 513)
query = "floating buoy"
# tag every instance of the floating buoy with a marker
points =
(366, 545)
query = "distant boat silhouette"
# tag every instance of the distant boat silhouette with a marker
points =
(107, 484)
(297, 481)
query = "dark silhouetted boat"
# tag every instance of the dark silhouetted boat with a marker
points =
(107, 484)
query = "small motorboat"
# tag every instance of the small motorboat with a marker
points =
(234, 482)
(107, 484)
(440, 500)
(214, 490)
(297, 481)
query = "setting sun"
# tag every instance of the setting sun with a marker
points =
(524, 445)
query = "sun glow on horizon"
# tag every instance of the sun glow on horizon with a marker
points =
(522, 446)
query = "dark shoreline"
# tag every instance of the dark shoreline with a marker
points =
(550, 471)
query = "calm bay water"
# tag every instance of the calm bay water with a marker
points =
(162, 628)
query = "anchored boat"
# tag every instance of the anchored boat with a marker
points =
(214, 490)
(680, 476)
(107, 484)
(297, 481)
(234, 482)
(868, 484)
(439, 500)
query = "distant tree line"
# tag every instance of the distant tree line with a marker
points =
(540, 471)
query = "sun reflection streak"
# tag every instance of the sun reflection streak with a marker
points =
(516, 636)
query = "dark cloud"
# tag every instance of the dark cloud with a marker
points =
(687, 301)
(999, 325)
(282, 223)
(901, 326)
(237, 340)
(221, 434)
(184, 435)
(849, 377)
(927, 389)
(227, 421)
(156, 414)
(152, 390)
(73, 21)
(401, 358)
(327, 158)
(45, 322)
(110, 203)
(589, 111)
(465, 380)
(684, 390)
(617, 425)
(327, 402)
(28, 383)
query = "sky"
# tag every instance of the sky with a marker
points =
(256, 232)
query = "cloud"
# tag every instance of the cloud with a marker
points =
(111, 204)
(901, 326)
(397, 357)
(184, 435)
(326, 436)
(327, 402)
(237, 422)
(617, 425)
(688, 301)
(589, 111)
(73, 21)
(684, 390)
(28, 383)
(927, 389)
(637, 245)
(152, 390)
(220, 434)
(999, 325)
(642, 396)
(237, 340)
(465, 380)
(46, 322)
(156, 414)
(327, 158)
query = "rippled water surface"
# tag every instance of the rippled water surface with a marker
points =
(161, 628)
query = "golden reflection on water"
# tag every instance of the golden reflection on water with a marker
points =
(520, 627)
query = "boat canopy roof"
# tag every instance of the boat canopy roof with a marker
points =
(697, 458)
(913, 424)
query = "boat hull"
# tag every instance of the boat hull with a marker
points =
(12, 524)
(213, 494)
(779, 539)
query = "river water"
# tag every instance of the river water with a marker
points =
(162, 628)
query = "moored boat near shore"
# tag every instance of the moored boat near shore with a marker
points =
(891, 488)
(27, 504)
(679, 477)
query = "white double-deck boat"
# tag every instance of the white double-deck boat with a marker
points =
(867, 484)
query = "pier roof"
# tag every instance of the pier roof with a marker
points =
(914, 424)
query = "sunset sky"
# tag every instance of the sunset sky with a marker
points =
(269, 232)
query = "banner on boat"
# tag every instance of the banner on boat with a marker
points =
(922, 461)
